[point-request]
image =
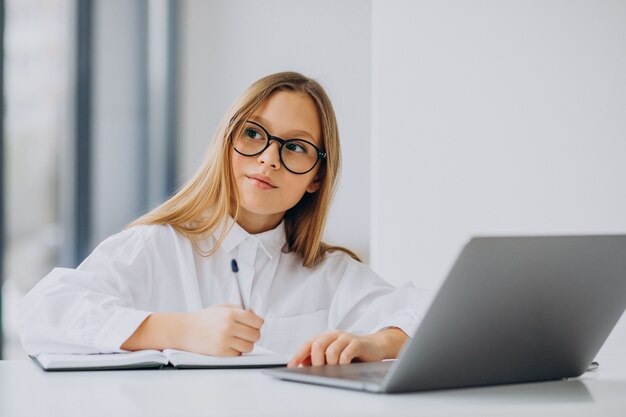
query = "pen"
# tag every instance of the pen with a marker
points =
(235, 269)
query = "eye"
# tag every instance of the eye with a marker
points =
(251, 133)
(295, 147)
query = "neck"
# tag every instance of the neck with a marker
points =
(258, 223)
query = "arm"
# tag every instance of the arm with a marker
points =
(223, 330)
(363, 304)
(391, 340)
(158, 331)
(105, 305)
(93, 308)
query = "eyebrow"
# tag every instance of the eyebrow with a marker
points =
(295, 132)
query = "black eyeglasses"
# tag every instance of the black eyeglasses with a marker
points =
(297, 155)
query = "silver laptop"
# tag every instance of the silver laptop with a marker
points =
(512, 309)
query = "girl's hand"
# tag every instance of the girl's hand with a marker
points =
(222, 330)
(338, 347)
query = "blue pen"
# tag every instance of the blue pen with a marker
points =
(235, 269)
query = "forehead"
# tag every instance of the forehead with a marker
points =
(288, 114)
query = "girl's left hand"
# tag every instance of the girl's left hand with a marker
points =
(339, 347)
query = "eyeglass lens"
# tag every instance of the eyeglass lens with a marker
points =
(298, 155)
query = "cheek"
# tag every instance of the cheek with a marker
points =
(297, 186)
(238, 162)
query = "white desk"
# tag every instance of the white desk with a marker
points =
(25, 390)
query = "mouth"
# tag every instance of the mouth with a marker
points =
(261, 182)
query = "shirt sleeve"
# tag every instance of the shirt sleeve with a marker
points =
(364, 303)
(95, 307)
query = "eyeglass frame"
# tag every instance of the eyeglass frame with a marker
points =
(320, 153)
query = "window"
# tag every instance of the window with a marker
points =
(36, 70)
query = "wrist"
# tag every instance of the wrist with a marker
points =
(391, 340)
(175, 330)
(159, 331)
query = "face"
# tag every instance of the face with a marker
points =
(266, 188)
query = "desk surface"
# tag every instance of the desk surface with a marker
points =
(25, 390)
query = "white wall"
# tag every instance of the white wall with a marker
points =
(494, 118)
(486, 117)
(227, 45)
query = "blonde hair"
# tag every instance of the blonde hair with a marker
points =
(206, 201)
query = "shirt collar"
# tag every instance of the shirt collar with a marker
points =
(272, 241)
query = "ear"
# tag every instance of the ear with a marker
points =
(314, 186)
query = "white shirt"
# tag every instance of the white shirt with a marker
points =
(97, 306)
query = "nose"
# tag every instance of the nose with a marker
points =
(270, 156)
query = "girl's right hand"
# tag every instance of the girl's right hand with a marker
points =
(221, 330)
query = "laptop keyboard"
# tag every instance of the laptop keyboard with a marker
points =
(370, 372)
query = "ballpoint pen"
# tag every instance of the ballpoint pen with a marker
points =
(235, 269)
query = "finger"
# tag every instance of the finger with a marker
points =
(245, 332)
(248, 318)
(350, 352)
(300, 355)
(335, 348)
(240, 345)
(318, 348)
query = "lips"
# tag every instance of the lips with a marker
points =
(261, 181)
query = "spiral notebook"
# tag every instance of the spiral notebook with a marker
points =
(156, 359)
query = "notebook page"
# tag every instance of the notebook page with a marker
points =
(258, 357)
(99, 360)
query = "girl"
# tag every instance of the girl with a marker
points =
(261, 197)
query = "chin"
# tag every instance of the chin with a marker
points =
(260, 209)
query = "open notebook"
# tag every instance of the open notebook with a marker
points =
(142, 359)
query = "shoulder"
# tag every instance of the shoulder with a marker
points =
(139, 237)
(138, 244)
(340, 264)
(159, 232)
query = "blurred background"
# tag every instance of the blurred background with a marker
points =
(456, 118)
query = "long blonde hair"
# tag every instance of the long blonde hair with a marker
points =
(206, 201)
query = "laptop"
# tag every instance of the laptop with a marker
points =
(511, 310)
